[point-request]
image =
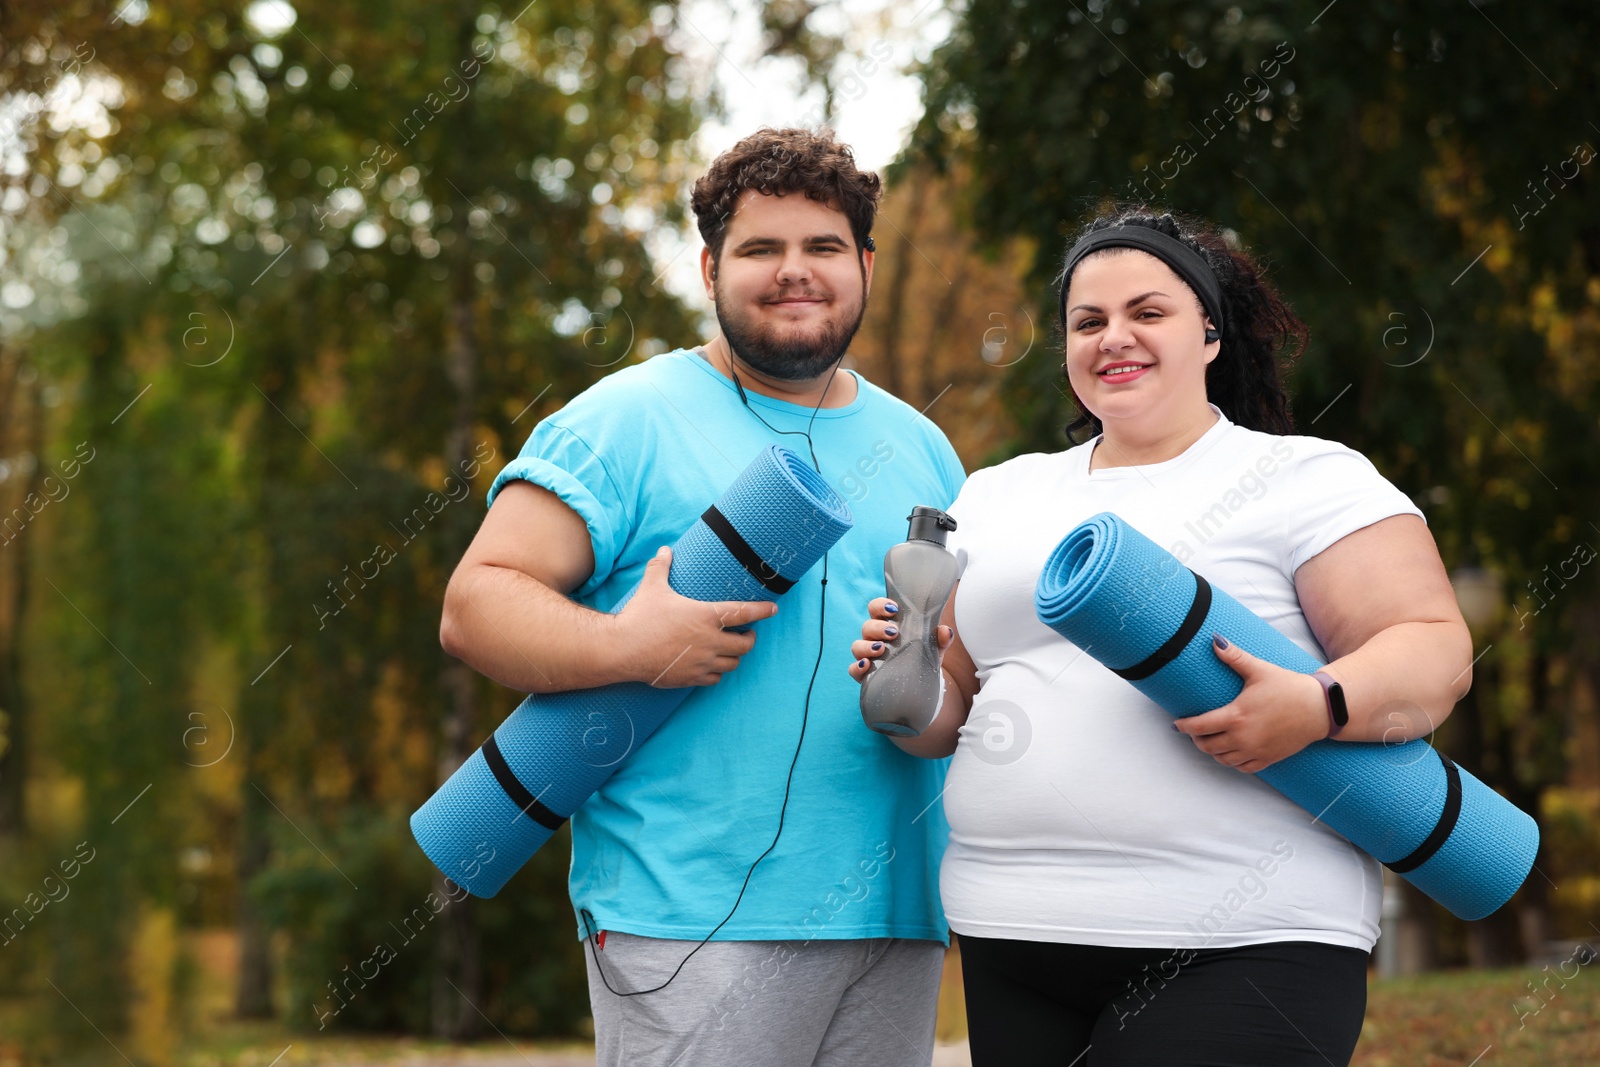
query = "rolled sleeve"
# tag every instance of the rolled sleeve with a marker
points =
(558, 460)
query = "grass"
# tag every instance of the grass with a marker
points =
(1489, 1017)
(240, 1045)
(1447, 1019)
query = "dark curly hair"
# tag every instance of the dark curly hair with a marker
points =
(776, 162)
(1261, 335)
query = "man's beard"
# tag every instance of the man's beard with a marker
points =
(799, 359)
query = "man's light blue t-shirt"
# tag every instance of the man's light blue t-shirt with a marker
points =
(662, 849)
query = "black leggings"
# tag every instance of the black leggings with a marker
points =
(1283, 1004)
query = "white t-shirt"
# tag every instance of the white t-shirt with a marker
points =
(1077, 814)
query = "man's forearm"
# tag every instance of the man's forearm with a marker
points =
(526, 636)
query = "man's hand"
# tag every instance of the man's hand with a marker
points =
(508, 610)
(675, 641)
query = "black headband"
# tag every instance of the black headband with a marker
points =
(1185, 262)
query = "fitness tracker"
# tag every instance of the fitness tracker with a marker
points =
(1338, 711)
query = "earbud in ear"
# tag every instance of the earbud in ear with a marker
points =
(872, 246)
(1212, 335)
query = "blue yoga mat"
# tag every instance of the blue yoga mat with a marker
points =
(767, 530)
(1132, 606)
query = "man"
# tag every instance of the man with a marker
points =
(713, 936)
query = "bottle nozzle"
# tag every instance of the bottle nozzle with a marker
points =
(929, 524)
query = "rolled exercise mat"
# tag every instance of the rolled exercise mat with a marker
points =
(767, 530)
(1131, 605)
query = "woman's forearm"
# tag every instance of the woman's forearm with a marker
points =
(939, 739)
(1404, 682)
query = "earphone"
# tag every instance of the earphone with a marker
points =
(805, 714)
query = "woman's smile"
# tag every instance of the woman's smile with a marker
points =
(1120, 373)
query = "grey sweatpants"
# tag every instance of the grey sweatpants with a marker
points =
(807, 1003)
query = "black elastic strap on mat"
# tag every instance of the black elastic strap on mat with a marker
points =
(740, 549)
(1442, 829)
(1178, 641)
(524, 800)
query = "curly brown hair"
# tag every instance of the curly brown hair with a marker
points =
(776, 162)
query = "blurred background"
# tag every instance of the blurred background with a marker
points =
(283, 285)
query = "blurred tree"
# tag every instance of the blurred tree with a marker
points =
(314, 274)
(948, 315)
(21, 474)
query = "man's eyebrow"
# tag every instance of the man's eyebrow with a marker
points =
(1141, 298)
(774, 242)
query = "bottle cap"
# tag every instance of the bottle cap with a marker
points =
(929, 524)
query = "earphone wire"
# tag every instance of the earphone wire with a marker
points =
(805, 714)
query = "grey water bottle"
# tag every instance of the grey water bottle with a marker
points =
(901, 693)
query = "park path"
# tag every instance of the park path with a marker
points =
(943, 1056)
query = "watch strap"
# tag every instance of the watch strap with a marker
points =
(1333, 695)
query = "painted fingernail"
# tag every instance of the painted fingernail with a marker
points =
(892, 608)
(861, 663)
(877, 646)
(891, 631)
(1220, 641)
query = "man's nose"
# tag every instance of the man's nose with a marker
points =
(794, 268)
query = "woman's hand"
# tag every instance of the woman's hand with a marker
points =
(879, 631)
(1278, 713)
(961, 674)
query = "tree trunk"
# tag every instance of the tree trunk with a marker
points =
(1487, 747)
(893, 376)
(263, 701)
(260, 704)
(1583, 695)
(457, 983)
(458, 977)
(253, 998)
(1496, 941)
(1532, 914)
(13, 699)
(927, 373)
(1416, 934)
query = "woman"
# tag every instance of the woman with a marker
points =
(1120, 882)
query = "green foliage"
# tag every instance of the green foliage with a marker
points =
(1571, 818)
(361, 951)
(1367, 156)
(312, 267)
